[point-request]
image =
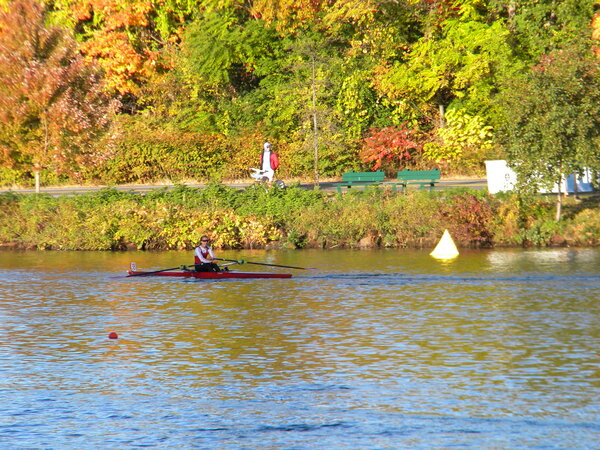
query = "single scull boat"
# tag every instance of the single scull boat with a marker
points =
(210, 275)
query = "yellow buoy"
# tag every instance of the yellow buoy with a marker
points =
(446, 249)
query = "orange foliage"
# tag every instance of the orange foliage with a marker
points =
(52, 105)
(115, 42)
(124, 67)
(115, 14)
(389, 145)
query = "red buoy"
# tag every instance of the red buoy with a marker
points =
(113, 335)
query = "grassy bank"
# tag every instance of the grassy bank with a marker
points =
(289, 218)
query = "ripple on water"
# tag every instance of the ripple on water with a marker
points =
(486, 351)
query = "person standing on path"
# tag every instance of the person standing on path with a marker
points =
(269, 162)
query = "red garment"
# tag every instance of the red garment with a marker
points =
(203, 252)
(274, 160)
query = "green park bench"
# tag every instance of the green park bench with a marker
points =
(350, 179)
(417, 177)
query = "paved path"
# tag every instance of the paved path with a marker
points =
(326, 186)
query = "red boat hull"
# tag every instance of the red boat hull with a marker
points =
(211, 275)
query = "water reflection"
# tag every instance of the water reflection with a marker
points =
(551, 259)
(373, 349)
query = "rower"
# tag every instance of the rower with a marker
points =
(204, 257)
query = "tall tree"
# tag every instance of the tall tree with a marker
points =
(457, 61)
(129, 39)
(51, 101)
(539, 26)
(276, 80)
(552, 120)
(313, 62)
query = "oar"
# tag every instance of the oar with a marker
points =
(241, 261)
(156, 271)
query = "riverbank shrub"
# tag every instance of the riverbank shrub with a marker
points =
(411, 220)
(257, 217)
(469, 215)
(582, 223)
(143, 153)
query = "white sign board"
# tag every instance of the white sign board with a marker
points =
(501, 178)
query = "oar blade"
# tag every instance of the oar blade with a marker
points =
(279, 265)
(141, 274)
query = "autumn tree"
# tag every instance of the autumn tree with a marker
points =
(51, 102)
(456, 62)
(464, 143)
(538, 27)
(552, 119)
(388, 147)
(275, 79)
(131, 40)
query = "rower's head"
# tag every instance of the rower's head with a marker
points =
(267, 147)
(204, 240)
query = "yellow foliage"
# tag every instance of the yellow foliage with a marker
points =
(288, 14)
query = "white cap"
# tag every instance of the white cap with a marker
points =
(267, 146)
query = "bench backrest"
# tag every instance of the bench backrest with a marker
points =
(363, 176)
(405, 175)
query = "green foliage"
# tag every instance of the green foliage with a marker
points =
(542, 233)
(552, 125)
(255, 218)
(540, 26)
(145, 154)
(411, 220)
(458, 64)
(10, 176)
(508, 221)
(279, 204)
(356, 102)
(9, 218)
(202, 84)
(583, 229)
(224, 49)
(335, 224)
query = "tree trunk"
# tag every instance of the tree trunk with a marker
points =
(38, 165)
(559, 201)
(316, 144)
(442, 116)
(315, 126)
(511, 9)
(36, 174)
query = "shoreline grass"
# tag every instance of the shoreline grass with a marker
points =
(256, 217)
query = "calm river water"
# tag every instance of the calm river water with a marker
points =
(372, 350)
